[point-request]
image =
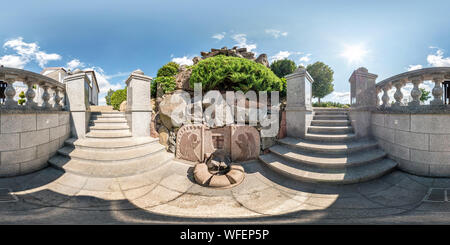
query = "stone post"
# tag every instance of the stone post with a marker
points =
(139, 110)
(77, 103)
(299, 103)
(363, 99)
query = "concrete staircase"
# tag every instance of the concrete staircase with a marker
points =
(109, 151)
(329, 153)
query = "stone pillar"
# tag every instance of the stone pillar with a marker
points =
(299, 103)
(139, 109)
(364, 101)
(77, 103)
(363, 90)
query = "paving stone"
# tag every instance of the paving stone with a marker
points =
(102, 185)
(159, 195)
(268, 201)
(202, 206)
(176, 182)
(135, 193)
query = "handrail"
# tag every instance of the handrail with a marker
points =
(436, 74)
(12, 75)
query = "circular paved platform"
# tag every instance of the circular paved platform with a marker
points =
(169, 194)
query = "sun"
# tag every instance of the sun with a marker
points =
(354, 53)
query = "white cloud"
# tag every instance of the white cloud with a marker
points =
(183, 60)
(104, 83)
(73, 64)
(438, 58)
(26, 53)
(276, 33)
(335, 96)
(43, 58)
(13, 61)
(305, 58)
(280, 56)
(219, 36)
(241, 40)
(414, 67)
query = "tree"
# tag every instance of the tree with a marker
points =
(166, 77)
(118, 97)
(22, 98)
(227, 73)
(425, 95)
(283, 67)
(108, 96)
(323, 79)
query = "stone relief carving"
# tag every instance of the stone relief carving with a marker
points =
(195, 141)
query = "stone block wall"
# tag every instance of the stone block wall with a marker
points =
(420, 143)
(29, 138)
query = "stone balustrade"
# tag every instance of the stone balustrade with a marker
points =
(13, 75)
(436, 74)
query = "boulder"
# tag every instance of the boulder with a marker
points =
(218, 113)
(182, 78)
(164, 136)
(173, 107)
(153, 127)
(123, 106)
(262, 59)
(196, 60)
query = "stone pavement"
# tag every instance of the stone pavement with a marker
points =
(168, 195)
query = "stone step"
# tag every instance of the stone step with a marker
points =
(336, 161)
(110, 127)
(321, 109)
(108, 120)
(111, 156)
(330, 112)
(350, 175)
(107, 135)
(330, 122)
(330, 130)
(107, 112)
(121, 124)
(328, 148)
(108, 115)
(330, 117)
(109, 131)
(330, 137)
(110, 170)
(110, 145)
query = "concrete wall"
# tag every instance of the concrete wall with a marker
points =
(420, 143)
(29, 139)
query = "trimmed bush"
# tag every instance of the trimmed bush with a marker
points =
(166, 76)
(232, 73)
(283, 67)
(330, 104)
(169, 69)
(118, 97)
(22, 100)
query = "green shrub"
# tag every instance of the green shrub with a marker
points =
(22, 100)
(166, 76)
(118, 97)
(283, 67)
(167, 83)
(167, 70)
(108, 96)
(330, 104)
(233, 73)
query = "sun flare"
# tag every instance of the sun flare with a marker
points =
(354, 53)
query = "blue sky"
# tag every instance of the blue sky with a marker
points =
(117, 37)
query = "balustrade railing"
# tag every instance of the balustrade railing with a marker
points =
(436, 74)
(30, 79)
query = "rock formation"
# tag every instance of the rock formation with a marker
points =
(234, 52)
